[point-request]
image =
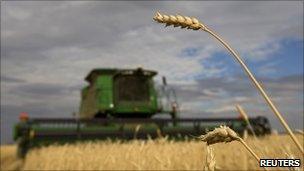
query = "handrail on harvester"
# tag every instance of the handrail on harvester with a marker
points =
(130, 120)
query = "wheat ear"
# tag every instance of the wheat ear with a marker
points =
(218, 135)
(225, 134)
(179, 20)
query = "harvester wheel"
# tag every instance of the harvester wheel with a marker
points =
(261, 126)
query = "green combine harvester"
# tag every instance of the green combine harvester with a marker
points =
(121, 104)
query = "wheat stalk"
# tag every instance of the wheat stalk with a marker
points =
(210, 160)
(159, 133)
(136, 130)
(245, 135)
(246, 118)
(179, 20)
(299, 131)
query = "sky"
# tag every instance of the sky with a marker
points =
(47, 48)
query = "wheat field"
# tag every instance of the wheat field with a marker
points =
(160, 154)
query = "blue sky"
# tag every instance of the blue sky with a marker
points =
(287, 60)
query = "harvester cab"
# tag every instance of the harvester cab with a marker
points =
(123, 93)
(120, 104)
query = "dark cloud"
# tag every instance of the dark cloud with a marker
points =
(43, 90)
(9, 79)
(241, 86)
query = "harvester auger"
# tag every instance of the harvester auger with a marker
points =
(119, 104)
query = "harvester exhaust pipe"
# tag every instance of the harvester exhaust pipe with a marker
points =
(164, 81)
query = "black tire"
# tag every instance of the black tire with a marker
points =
(261, 126)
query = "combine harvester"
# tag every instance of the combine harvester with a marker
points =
(120, 104)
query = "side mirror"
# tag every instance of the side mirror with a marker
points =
(164, 81)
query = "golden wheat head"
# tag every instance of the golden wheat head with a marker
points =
(225, 134)
(221, 134)
(178, 20)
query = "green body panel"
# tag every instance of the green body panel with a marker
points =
(104, 92)
(89, 104)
